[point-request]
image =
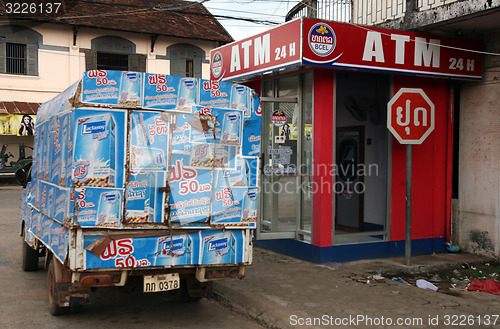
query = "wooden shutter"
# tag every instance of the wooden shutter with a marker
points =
(2, 57)
(137, 62)
(32, 59)
(90, 60)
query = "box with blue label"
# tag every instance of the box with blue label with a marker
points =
(45, 229)
(160, 91)
(59, 240)
(161, 250)
(144, 201)
(188, 94)
(221, 247)
(176, 250)
(235, 206)
(149, 141)
(215, 94)
(62, 204)
(101, 207)
(122, 89)
(98, 155)
(208, 155)
(190, 193)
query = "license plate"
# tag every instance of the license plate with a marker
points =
(162, 282)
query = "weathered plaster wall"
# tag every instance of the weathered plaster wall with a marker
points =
(479, 179)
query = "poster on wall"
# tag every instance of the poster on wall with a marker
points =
(17, 124)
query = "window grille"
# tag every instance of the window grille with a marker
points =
(15, 58)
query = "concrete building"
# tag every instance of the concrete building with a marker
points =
(475, 219)
(42, 53)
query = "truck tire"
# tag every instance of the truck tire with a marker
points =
(29, 258)
(53, 291)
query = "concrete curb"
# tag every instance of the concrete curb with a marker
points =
(252, 307)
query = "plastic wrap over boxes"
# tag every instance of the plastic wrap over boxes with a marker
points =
(109, 148)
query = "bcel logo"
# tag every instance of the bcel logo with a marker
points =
(321, 39)
(217, 65)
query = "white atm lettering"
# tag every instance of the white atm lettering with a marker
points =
(373, 47)
(426, 53)
(235, 59)
(262, 50)
(400, 47)
(261, 53)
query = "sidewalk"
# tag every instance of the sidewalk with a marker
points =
(283, 292)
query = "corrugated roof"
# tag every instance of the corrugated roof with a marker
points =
(184, 19)
(19, 107)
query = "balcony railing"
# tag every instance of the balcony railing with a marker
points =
(365, 12)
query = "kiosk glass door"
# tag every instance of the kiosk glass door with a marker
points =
(286, 201)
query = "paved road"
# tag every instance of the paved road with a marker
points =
(24, 295)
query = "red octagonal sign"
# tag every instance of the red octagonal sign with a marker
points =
(410, 116)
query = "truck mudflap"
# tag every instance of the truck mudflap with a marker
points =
(68, 295)
(205, 274)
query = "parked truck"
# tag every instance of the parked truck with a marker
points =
(141, 179)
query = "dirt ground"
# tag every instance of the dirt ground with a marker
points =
(455, 280)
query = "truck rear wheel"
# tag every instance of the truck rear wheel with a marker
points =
(29, 258)
(54, 293)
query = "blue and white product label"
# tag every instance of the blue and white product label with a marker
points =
(240, 99)
(35, 222)
(215, 94)
(149, 141)
(144, 202)
(160, 91)
(35, 164)
(190, 193)
(99, 207)
(130, 89)
(67, 135)
(212, 155)
(251, 138)
(188, 94)
(236, 206)
(62, 203)
(245, 174)
(45, 228)
(61, 148)
(98, 155)
(221, 247)
(145, 251)
(46, 195)
(109, 211)
(33, 195)
(204, 126)
(231, 128)
(174, 251)
(56, 160)
(250, 203)
(101, 87)
(59, 240)
(43, 151)
(181, 135)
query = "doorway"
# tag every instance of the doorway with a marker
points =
(362, 153)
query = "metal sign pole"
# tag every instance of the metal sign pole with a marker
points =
(408, 206)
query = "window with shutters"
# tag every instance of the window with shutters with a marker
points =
(185, 60)
(19, 50)
(114, 53)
